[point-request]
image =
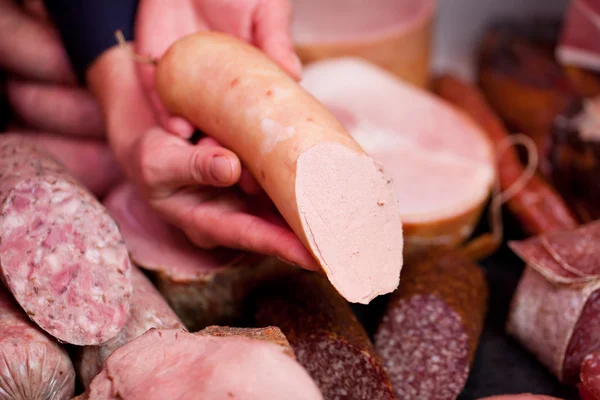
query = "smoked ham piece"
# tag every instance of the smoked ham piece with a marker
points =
(174, 364)
(394, 34)
(331, 193)
(441, 163)
(579, 44)
(203, 287)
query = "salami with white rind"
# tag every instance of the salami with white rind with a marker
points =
(430, 331)
(209, 367)
(33, 365)
(148, 310)
(589, 387)
(446, 161)
(62, 256)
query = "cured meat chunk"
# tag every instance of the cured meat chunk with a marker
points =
(209, 367)
(148, 310)
(34, 366)
(62, 256)
(447, 161)
(579, 44)
(326, 336)
(394, 34)
(430, 331)
(269, 333)
(589, 388)
(203, 287)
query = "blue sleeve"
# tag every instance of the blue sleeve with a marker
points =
(87, 27)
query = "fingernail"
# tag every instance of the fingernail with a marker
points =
(221, 169)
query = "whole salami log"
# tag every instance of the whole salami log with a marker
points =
(148, 310)
(203, 287)
(430, 331)
(326, 336)
(34, 366)
(589, 388)
(62, 256)
(209, 367)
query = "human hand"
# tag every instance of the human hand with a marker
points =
(263, 23)
(190, 186)
(42, 89)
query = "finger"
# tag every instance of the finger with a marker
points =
(182, 164)
(36, 9)
(248, 184)
(232, 17)
(67, 110)
(156, 28)
(31, 48)
(89, 161)
(272, 21)
(223, 221)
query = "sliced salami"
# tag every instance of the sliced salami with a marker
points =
(148, 310)
(203, 287)
(209, 367)
(326, 336)
(34, 366)
(589, 387)
(557, 323)
(430, 331)
(62, 256)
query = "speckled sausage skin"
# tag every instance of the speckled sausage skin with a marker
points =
(33, 365)
(326, 336)
(430, 331)
(62, 256)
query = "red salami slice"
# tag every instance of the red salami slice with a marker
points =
(230, 367)
(62, 256)
(579, 44)
(148, 310)
(590, 377)
(430, 331)
(33, 365)
(203, 287)
(326, 336)
(557, 323)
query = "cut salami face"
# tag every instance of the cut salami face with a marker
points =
(34, 366)
(579, 44)
(323, 331)
(148, 310)
(589, 387)
(430, 331)
(62, 256)
(209, 367)
(203, 287)
(446, 161)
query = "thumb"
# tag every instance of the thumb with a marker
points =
(272, 21)
(166, 163)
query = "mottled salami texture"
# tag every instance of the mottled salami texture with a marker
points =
(203, 287)
(269, 333)
(326, 336)
(148, 310)
(589, 388)
(430, 331)
(61, 254)
(557, 323)
(33, 365)
(232, 367)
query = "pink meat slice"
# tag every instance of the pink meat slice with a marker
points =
(62, 256)
(174, 364)
(422, 142)
(579, 44)
(33, 366)
(157, 246)
(316, 21)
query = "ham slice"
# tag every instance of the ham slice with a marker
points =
(579, 44)
(441, 163)
(395, 34)
(172, 364)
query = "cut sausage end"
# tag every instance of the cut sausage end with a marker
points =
(363, 258)
(53, 245)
